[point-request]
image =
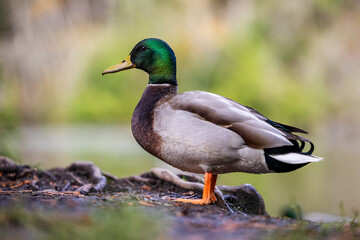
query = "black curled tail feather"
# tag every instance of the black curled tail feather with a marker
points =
(311, 150)
(287, 130)
(278, 166)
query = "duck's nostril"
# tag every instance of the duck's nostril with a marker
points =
(123, 61)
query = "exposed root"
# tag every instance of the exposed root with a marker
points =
(98, 181)
(247, 196)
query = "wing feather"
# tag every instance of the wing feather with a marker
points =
(253, 127)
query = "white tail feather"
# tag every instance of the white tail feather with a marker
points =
(295, 158)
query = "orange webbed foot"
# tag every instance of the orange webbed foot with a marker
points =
(195, 201)
(208, 192)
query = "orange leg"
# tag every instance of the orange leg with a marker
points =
(208, 192)
(212, 188)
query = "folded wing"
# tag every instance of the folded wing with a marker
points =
(256, 130)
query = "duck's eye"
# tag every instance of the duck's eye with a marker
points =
(143, 48)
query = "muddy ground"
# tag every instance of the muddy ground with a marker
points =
(95, 203)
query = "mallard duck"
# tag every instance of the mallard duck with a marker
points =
(203, 132)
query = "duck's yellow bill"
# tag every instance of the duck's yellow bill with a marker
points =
(125, 64)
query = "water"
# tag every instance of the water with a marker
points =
(112, 148)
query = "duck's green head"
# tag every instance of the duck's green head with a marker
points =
(155, 57)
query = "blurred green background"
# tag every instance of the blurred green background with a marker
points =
(297, 62)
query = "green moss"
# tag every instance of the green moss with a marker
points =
(112, 222)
